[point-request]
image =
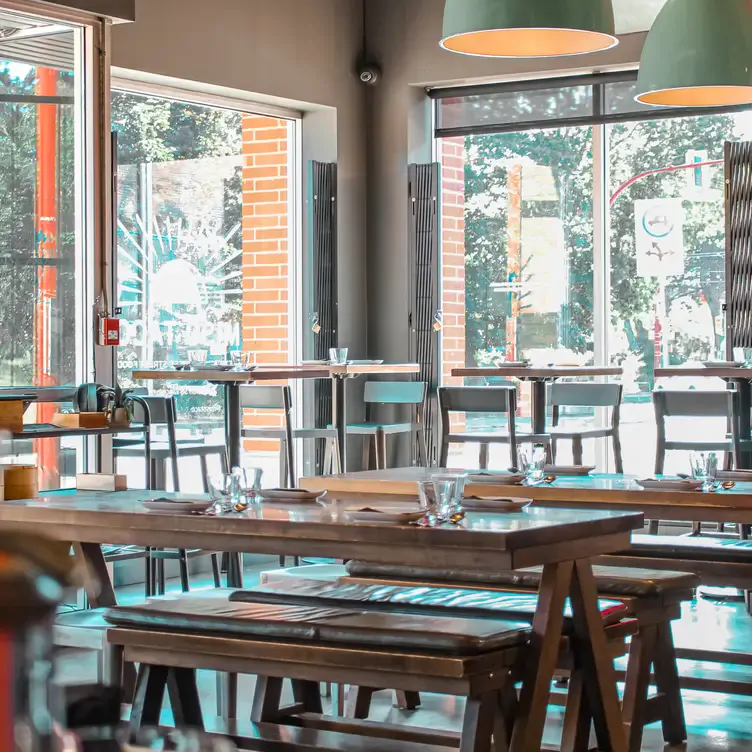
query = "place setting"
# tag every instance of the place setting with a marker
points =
(705, 477)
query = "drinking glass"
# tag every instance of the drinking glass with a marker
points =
(427, 500)
(254, 477)
(456, 495)
(704, 468)
(532, 460)
(197, 355)
(220, 490)
(443, 491)
(338, 356)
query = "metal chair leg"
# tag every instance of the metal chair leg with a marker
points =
(215, 571)
(185, 584)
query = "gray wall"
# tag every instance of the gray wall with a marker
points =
(403, 38)
(303, 51)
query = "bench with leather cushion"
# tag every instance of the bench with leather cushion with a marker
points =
(616, 582)
(435, 601)
(724, 550)
(273, 622)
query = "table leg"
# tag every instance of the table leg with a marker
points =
(339, 418)
(545, 642)
(91, 554)
(104, 597)
(538, 408)
(233, 418)
(589, 640)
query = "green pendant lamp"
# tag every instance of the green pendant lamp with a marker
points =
(698, 54)
(528, 28)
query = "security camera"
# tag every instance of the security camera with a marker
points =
(369, 74)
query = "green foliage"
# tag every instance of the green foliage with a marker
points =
(633, 148)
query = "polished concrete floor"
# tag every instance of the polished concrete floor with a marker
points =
(717, 723)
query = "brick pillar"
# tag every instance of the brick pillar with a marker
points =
(453, 263)
(266, 154)
(453, 256)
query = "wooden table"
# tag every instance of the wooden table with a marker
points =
(741, 378)
(233, 380)
(561, 540)
(539, 377)
(615, 492)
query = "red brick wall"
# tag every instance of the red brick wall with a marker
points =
(266, 162)
(453, 256)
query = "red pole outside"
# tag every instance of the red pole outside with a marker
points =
(47, 450)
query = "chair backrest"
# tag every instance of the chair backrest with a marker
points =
(263, 397)
(584, 394)
(693, 403)
(477, 399)
(162, 408)
(395, 392)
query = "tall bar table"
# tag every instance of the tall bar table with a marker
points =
(539, 378)
(233, 380)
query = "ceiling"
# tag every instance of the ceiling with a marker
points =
(30, 40)
(43, 44)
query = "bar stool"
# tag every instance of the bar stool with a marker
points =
(565, 395)
(374, 432)
(693, 403)
(258, 397)
(483, 399)
(163, 411)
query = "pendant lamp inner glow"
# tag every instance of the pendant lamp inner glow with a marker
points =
(698, 54)
(528, 28)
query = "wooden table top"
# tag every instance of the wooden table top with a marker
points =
(702, 372)
(535, 536)
(275, 373)
(534, 373)
(598, 491)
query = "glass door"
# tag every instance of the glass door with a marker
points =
(43, 341)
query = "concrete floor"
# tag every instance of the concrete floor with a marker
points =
(716, 723)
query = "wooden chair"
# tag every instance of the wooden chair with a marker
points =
(280, 398)
(374, 432)
(162, 411)
(583, 394)
(693, 403)
(483, 399)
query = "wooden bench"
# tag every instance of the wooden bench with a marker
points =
(471, 658)
(652, 598)
(717, 561)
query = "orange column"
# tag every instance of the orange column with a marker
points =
(46, 233)
(514, 256)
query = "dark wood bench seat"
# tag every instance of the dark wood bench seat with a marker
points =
(393, 598)
(171, 638)
(716, 561)
(611, 581)
(653, 598)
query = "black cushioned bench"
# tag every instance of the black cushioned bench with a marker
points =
(652, 598)
(171, 638)
(662, 593)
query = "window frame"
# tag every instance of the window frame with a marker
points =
(598, 116)
(598, 120)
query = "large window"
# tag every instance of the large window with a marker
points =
(204, 244)
(44, 338)
(581, 227)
